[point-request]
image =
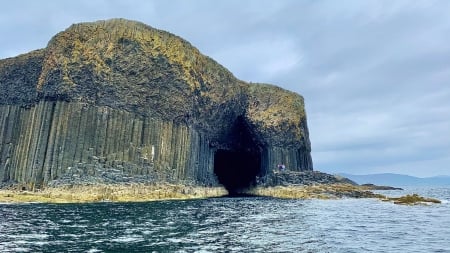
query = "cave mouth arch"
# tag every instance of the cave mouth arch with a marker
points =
(236, 170)
(238, 164)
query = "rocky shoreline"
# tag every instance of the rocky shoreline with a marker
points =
(282, 184)
(110, 193)
(317, 191)
(300, 178)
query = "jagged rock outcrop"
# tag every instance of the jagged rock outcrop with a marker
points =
(302, 178)
(118, 95)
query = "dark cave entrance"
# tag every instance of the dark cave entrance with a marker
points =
(236, 170)
(237, 167)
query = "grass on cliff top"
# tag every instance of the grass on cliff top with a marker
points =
(113, 193)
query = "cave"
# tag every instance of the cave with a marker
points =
(236, 170)
(238, 166)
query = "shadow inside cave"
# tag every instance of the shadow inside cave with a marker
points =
(236, 170)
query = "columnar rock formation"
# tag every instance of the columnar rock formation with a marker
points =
(120, 95)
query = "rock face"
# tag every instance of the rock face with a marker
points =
(302, 178)
(119, 95)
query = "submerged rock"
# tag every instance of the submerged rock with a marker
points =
(118, 100)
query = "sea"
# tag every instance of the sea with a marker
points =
(231, 224)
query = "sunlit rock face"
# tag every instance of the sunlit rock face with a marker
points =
(119, 101)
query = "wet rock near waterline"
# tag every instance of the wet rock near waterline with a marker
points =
(314, 191)
(412, 199)
(130, 192)
(287, 178)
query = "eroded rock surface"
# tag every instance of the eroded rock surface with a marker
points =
(119, 95)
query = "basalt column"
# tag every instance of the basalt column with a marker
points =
(48, 140)
(118, 101)
(278, 120)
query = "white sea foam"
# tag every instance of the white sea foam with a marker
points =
(20, 249)
(31, 236)
(127, 239)
(93, 250)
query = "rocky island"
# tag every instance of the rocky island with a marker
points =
(121, 98)
(117, 110)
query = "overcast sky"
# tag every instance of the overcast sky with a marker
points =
(375, 75)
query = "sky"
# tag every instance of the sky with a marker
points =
(375, 74)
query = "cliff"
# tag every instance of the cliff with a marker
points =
(121, 101)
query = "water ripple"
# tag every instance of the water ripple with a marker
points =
(228, 225)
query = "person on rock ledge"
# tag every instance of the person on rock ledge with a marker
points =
(281, 167)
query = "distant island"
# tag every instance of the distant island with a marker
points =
(398, 179)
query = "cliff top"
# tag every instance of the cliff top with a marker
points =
(97, 43)
(131, 66)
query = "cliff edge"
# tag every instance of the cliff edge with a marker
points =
(120, 101)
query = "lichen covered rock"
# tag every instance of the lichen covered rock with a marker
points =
(121, 95)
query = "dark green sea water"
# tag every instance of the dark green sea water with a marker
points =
(229, 225)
